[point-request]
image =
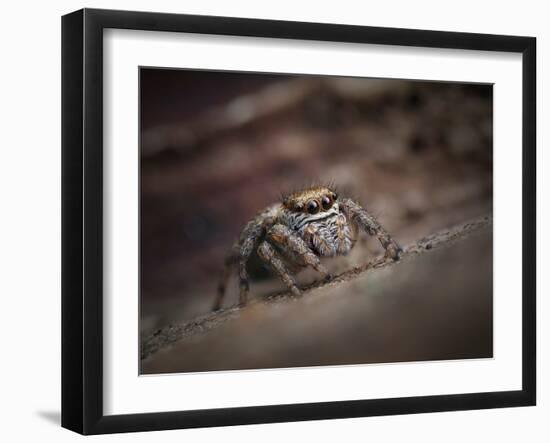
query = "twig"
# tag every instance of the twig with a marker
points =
(173, 333)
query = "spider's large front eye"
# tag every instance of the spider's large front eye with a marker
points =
(312, 207)
(326, 202)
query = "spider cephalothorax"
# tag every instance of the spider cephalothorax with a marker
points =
(307, 224)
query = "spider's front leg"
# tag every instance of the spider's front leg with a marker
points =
(367, 222)
(239, 256)
(286, 240)
(273, 259)
(249, 239)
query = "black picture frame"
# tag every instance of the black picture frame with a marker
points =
(82, 220)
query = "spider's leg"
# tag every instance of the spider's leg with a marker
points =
(272, 258)
(285, 239)
(313, 236)
(229, 263)
(367, 222)
(250, 237)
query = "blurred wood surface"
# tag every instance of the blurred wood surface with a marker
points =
(383, 311)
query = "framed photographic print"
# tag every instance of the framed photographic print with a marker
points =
(269, 221)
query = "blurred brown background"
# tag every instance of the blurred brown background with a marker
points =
(216, 147)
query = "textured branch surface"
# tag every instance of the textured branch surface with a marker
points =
(171, 334)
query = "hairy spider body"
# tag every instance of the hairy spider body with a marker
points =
(294, 234)
(327, 233)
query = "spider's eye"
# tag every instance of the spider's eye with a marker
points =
(334, 196)
(299, 207)
(326, 202)
(312, 207)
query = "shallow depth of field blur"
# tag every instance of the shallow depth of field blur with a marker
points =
(216, 147)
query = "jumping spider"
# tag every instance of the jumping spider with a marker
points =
(293, 234)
